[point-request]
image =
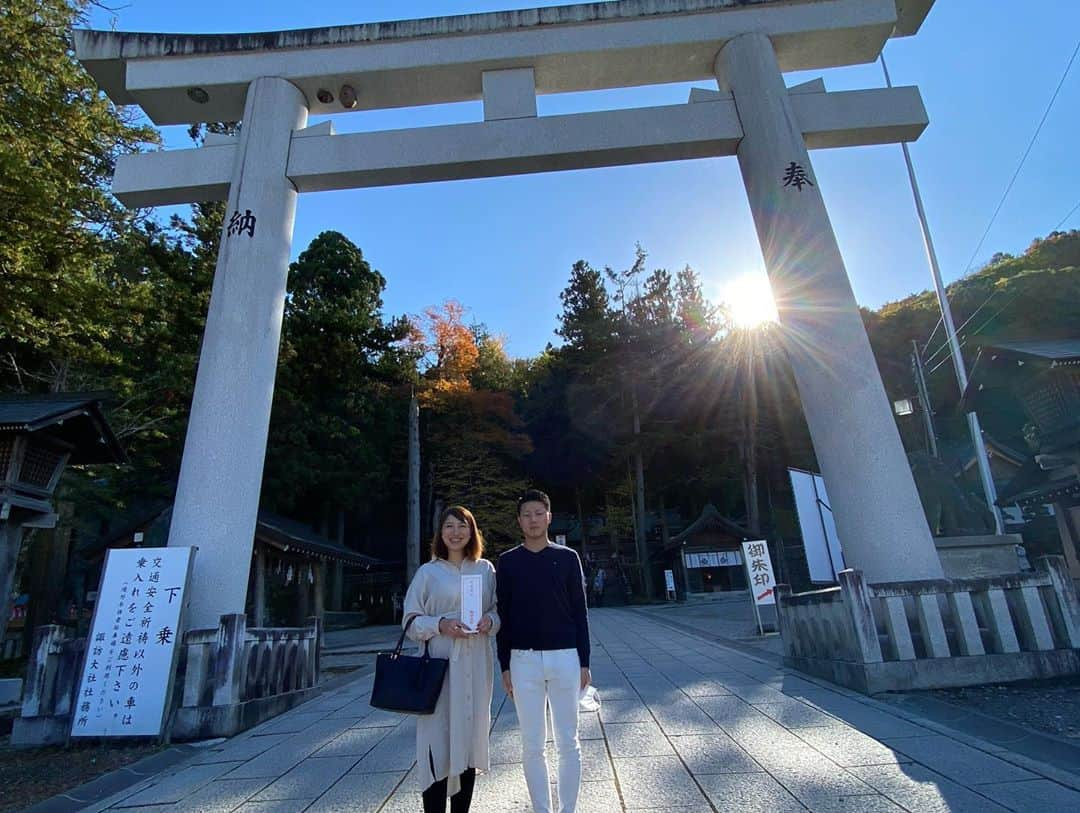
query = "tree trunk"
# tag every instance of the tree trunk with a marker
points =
(753, 514)
(303, 593)
(319, 588)
(48, 558)
(753, 519)
(260, 587)
(581, 520)
(412, 536)
(10, 541)
(613, 537)
(639, 494)
(436, 509)
(337, 590)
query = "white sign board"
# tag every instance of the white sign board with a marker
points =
(723, 558)
(472, 600)
(824, 557)
(760, 572)
(669, 581)
(130, 652)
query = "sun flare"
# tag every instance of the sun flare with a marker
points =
(750, 300)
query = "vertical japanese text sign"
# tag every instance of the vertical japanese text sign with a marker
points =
(759, 572)
(131, 652)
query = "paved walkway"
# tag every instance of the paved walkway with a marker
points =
(686, 725)
(724, 617)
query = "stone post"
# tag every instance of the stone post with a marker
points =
(1065, 592)
(229, 666)
(877, 510)
(217, 497)
(857, 600)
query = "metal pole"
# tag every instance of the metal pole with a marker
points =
(924, 397)
(950, 331)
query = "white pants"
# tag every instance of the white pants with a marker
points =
(541, 679)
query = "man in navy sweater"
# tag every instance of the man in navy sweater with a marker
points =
(543, 648)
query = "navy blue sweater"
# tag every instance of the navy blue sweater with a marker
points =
(541, 598)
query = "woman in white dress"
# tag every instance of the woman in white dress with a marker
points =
(452, 743)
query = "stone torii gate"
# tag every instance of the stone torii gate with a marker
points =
(273, 81)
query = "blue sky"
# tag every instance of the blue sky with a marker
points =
(504, 246)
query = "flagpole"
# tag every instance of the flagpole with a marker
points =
(975, 430)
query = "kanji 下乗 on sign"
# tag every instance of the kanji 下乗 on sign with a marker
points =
(130, 653)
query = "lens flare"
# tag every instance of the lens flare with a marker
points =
(750, 300)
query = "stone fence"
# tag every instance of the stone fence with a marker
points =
(233, 677)
(897, 636)
(228, 679)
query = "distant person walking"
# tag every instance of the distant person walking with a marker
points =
(543, 649)
(452, 743)
(599, 582)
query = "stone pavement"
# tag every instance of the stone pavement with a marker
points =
(727, 618)
(686, 724)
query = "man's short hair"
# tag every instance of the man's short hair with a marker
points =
(534, 495)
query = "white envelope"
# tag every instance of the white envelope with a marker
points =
(472, 600)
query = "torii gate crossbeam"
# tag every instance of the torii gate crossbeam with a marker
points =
(505, 59)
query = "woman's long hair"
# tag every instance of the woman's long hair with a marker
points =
(475, 547)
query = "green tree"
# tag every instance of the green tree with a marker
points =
(494, 369)
(59, 140)
(338, 420)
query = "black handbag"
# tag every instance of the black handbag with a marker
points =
(408, 684)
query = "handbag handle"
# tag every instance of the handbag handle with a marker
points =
(401, 640)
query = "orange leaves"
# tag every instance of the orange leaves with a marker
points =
(448, 344)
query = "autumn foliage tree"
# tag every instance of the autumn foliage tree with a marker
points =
(472, 439)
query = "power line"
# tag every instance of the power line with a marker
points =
(976, 331)
(1065, 219)
(933, 333)
(974, 313)
(1023, 159)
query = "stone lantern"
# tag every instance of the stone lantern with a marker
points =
(40, 435)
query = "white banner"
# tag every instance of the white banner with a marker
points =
(759, 572)
(130, 652)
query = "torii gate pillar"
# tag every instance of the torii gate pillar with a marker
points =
(217, 497)
(875, 504)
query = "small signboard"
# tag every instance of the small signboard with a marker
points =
(759, 575)
(472, 600)
(759, 572)
(669, 580)
(131, 651)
